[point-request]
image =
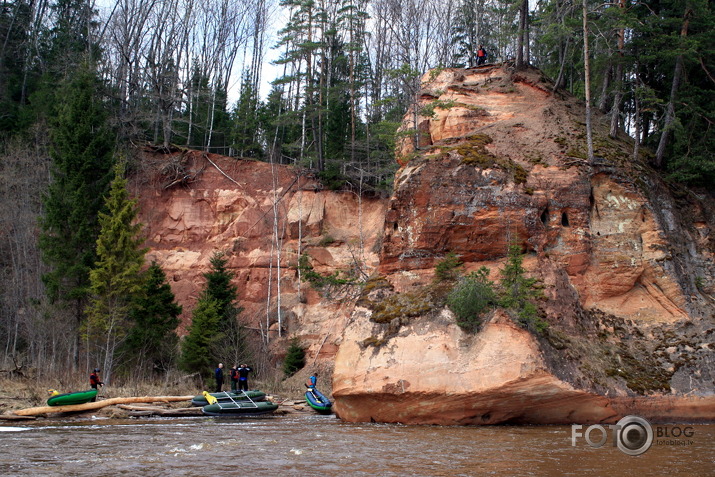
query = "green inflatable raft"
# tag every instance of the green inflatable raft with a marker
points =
(318, 401)
(68, 399)
(239, 408)
(255, 395)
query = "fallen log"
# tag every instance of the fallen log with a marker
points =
(12, 417)
(131, 407)
(89, 406)
(139, 411)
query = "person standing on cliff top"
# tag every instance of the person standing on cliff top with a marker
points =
(218, 374)
(481, 55)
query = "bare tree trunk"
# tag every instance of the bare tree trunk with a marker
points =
(618, 92)
(278, 245)
(670, 109)
(34, 411)
(559, 83)
(638, 119)
(603, 99)
(587, 80)
(527, 36)
(522, 37)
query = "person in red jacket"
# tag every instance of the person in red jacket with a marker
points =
(94, 380)
(234, 379)
(481, 55)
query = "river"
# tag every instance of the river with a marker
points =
(314, 445)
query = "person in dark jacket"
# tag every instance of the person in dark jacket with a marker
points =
(243, 371)
(219, 378)
(234, 379)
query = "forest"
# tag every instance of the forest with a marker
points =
(83, 84)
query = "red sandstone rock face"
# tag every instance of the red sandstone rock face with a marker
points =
(498, 160)
(600, 230)
(229, 207)
(437, 374)
(617, 261)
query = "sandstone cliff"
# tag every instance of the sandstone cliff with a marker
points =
(263, 218)
(626, 268)
(625, 263)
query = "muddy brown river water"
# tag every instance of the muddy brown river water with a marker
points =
(313, 445)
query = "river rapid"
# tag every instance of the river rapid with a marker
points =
(314, 445)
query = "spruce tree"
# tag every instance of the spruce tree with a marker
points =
(15, 28)
(116, 278)
(214, 338)
(151, 343)
(295, 358)
(245, 129)
(219, 288)
(519, 292)
(465, 34)
(82, 160)
(196, 348)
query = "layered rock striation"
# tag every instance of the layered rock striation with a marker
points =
(262, 217)
(490, 156)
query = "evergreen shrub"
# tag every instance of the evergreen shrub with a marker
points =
(295, 358)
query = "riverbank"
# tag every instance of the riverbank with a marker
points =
(172, 400)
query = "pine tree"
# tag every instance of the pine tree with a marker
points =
(472, 296)
(116, 279)
(151, 343)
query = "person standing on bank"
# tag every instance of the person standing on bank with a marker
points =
(312, 382)
(481, 55)
(243, 371)
(219, 378)
(234, 379)
(94, 380)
